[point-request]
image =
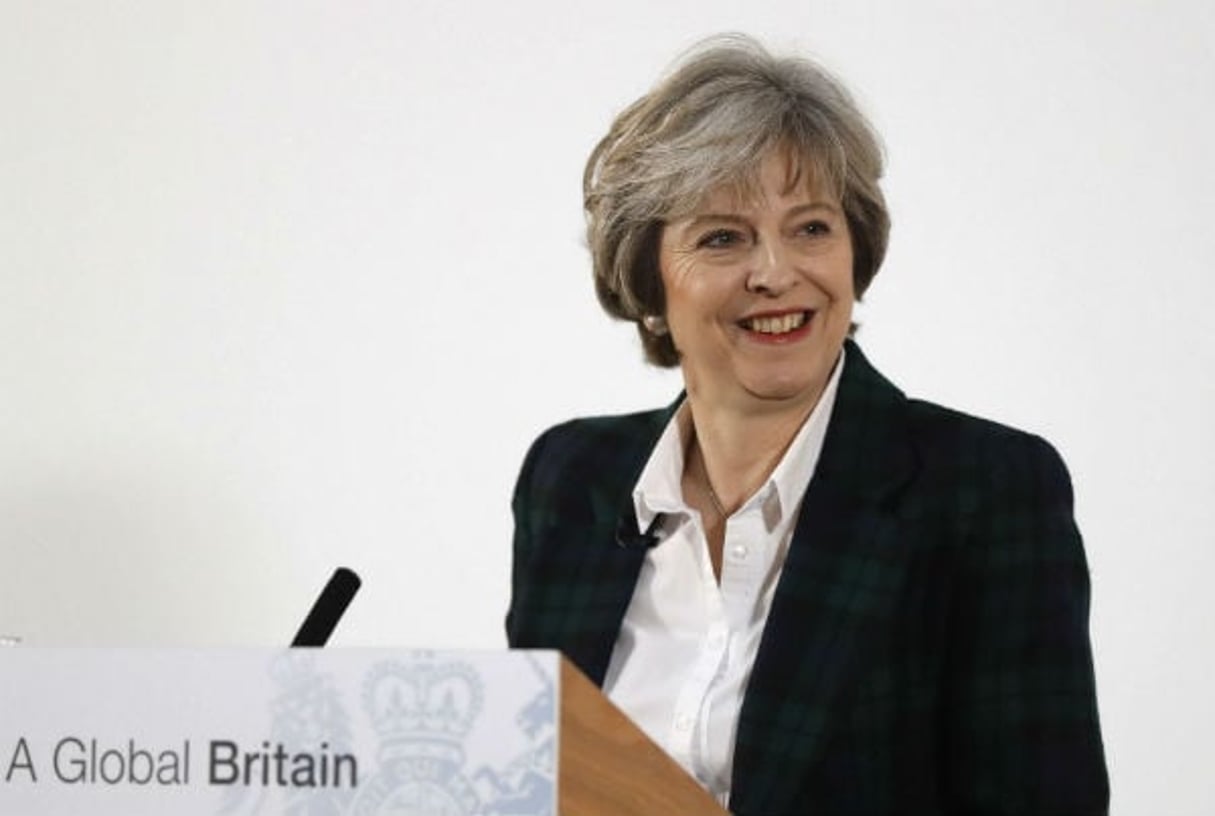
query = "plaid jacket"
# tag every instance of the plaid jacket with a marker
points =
(927, 650)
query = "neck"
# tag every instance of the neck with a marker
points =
(738, 450)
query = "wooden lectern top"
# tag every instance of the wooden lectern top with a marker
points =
(609, 766)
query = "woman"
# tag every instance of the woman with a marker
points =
(818, 595)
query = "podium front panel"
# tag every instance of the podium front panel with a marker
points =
(304, 731)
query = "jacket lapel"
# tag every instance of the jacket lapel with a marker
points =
(840, 577)
(608, 571)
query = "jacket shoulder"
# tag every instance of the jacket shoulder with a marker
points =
(987, 468)
(945, 429)
(593, 459)
(594, 446)
(588, 435)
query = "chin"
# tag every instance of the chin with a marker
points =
(785, 391)
(789, 383)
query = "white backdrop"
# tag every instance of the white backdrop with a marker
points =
(289, 285)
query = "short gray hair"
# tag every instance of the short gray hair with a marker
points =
(710, 122)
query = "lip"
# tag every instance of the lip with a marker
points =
(778, 339)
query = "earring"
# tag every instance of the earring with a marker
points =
(655, 324)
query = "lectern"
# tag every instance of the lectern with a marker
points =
(306, 731)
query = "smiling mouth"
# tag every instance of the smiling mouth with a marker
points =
(777, 324)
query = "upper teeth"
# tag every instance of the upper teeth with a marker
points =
(777, 325)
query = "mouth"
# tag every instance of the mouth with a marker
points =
(771, 327)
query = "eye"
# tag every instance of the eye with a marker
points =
(816, 227)
(720, 239)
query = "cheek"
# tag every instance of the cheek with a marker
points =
(694, 311)
(839, 280)
(688, 293)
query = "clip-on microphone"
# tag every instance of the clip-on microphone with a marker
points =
(629, 537)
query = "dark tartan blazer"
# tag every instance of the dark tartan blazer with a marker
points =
(927, 650)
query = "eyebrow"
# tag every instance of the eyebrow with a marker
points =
(800, 209)
(834, 209)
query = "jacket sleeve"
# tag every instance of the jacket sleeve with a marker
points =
(522, 510)
(1022, 732)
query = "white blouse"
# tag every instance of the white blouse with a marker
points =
(686, 647)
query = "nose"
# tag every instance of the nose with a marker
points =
(772, 271)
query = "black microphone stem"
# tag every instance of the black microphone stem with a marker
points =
(327, 611)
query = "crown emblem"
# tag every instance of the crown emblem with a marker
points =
(423, 709)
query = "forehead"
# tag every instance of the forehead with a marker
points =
(779, 174)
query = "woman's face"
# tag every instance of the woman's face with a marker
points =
(759, 292)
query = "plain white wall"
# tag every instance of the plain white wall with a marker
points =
(289, 285)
